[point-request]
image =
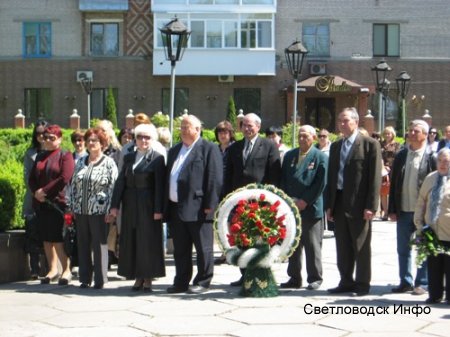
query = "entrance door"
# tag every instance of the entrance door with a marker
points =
(320, 113)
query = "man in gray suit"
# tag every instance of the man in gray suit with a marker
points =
(193, 186)
(354, 180)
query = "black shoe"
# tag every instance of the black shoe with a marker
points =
(47, 279)
(176, 290)
(292, 283)
(433, 300)
(98, 286)
(237, 283)
(84, 285)
(220, 260)
(402, 288)
(197, 290)
(340, 290)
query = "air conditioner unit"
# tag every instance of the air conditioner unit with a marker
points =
(317, 68)
(84, 75)
(226, 78)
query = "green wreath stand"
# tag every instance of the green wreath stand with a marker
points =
(259, 281)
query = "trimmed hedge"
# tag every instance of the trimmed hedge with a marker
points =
(12, 193)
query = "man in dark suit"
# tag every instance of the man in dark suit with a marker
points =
(251, 160)
(303, 178)
(411, 166)
(354, 180)
(195, 175)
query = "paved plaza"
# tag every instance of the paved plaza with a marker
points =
(32, 309)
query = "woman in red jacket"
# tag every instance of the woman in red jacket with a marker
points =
(49, 176)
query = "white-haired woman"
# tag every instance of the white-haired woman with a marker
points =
(140, 189)
(433, 209)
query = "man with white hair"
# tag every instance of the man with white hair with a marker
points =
(251, 160)
(411, 166)
(303, 178)
(193, 185)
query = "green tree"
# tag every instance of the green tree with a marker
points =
(231, 113)
(111, 110)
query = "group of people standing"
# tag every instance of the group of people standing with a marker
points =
(337, 182)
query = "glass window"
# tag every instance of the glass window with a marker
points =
(257, 2)
(37, 39)
(386, 40)
(181, 101)
(98, 102)
(264, 34)
(248, 34)
(38, 103)
(214, 34)
(105, 39)
(197, 34)
(316, 38)
(248, 99)
(230, 32)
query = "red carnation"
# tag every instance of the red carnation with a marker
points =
(262, 197)
(235, 228)
(254, 206)
(251, 215)
(68, 219)
(272, 240)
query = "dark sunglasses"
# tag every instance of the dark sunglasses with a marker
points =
(142, 137)
(433, 132)
(51, 138)
(323, 136)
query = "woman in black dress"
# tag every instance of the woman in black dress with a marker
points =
(140, 188)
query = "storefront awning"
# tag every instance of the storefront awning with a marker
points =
(329, 83)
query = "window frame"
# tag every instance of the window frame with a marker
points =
(36, 53)
(180, 94)
(387, 40)
(315, 50)
(34, 100)
(104, 41)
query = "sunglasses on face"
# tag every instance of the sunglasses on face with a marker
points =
(433, 132)
(50, 138)
(143, 137)
(323, 136)
(92, 140)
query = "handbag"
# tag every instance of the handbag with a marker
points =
(70, 239)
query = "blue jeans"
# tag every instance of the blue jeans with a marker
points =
(405, 232)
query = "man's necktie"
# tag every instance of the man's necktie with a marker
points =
(345, 149)
(247, 150)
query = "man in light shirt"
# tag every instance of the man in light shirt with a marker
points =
(411, 166)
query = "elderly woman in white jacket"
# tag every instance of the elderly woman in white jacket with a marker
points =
(433, 209)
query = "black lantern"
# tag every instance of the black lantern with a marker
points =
(295, 54)
(175, 36)
(382, 84)
(403, 81)
(381, 70)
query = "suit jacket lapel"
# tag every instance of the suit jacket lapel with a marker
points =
(191, 154)
(354, 148)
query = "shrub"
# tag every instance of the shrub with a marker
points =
(12, 192)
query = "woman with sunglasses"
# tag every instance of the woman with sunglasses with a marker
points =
(49, 176)
(90, 197)
(33, 244)
(432, 141)
(139, 190)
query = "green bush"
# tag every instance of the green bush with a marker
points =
(12, 192)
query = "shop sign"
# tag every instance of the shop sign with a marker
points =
(326, 84)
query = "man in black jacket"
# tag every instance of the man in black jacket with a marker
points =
(194, 182)
(411, 166)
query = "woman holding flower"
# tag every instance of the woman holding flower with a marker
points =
(433, 209)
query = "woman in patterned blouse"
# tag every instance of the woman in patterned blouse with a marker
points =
(91, 190)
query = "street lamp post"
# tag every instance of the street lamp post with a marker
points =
(382, 84)
(175, 36)
(86, 84)
(295, 55)
(403, 82)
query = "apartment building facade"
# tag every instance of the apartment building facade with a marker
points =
(236, 49)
